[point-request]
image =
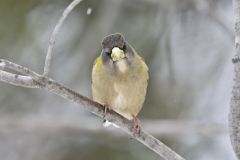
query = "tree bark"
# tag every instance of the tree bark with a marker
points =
(234, 114)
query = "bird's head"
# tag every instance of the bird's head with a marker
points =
(117, 53)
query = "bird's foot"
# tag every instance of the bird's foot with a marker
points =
(136, 126)
(106, 109)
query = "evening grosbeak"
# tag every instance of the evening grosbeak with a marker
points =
(120, 78)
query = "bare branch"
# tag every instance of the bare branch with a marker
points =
(94, 107)
(54, 35)
(18, 68)
(234, 114)
(18, 80)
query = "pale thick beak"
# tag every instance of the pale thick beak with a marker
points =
(117, 54)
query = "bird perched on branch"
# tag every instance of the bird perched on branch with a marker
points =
(120, 78)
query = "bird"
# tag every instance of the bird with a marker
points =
(120, 78)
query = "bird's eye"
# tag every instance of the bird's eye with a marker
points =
(107, 51)
(124, 47)
(108, 54)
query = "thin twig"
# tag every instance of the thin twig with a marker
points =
(234, 114)
(97, 109)
(52, 39)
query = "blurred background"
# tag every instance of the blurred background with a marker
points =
(187, 44)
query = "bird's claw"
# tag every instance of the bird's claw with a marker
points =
(106, 109)
(136, 127)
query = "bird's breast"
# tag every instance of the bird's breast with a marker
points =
(120, 99)
(121, 66)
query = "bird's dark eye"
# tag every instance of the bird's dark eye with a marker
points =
(124, 47)
(107, 51)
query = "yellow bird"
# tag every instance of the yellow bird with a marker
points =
(120, 78)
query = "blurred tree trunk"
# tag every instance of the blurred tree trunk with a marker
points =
(234, 115)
